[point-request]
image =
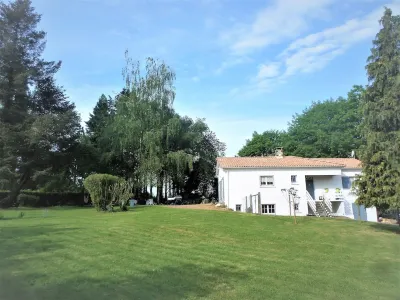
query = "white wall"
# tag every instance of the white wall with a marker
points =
(329, 182)
(372, 214)
(240, 183)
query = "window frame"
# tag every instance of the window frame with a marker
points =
(350, 182)
(293, 182)
(268, 207)
(240, 207)
(266, 181)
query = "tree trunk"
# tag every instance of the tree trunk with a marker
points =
(12, 198)
(144, 188)
(159, 187)
(166, 187)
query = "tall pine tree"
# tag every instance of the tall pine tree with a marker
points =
(100, 117)
(380, 182)
(38, 126)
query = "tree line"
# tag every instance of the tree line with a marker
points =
(136, 135)
(328, 128)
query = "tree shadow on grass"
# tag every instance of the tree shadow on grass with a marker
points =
(15, 241)
(394, 228)
(22, 247)
(168, 283)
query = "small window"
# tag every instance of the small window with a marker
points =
(296, 206)
(347, 182)
(238, 207)
(293, 179)
(268, 208)
(267, 181)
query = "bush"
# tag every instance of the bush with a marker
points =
(99, 187)
(121, 192)
(28, 200)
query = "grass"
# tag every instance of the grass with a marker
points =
(166, 253)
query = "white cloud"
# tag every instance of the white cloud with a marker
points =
(268, 70)
(231, 62)
(283, 20)
(313, 52)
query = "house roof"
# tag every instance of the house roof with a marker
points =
(349, 163)
(287, 162)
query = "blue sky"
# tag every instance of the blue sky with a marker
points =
(243, 65)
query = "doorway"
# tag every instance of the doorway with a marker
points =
(310, 186)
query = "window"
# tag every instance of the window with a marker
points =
(267, 181)
(293, 179)
(238, 207)
(268, 208)
(296, 206)
(347, 182)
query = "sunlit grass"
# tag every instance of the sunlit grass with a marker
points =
(165, 253)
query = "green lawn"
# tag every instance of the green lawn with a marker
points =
(166, 253)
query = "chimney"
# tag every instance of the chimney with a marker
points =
(279, 152)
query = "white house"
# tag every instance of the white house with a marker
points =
(279, 184)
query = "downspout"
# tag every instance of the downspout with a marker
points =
(228, 188)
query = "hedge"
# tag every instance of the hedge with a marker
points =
(46, 199)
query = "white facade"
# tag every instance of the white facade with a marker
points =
(236, 185)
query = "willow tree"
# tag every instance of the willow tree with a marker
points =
(145, 123)
(379, 184)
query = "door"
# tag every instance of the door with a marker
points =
(310, 187)
(359, 212)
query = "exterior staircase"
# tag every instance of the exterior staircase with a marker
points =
(321, 208)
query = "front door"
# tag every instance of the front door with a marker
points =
(310, 187)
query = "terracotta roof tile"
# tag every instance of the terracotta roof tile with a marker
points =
(286, 162)
(349, 163)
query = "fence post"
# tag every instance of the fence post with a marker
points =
(259, 203)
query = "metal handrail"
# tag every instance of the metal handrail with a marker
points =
(328, 204)
(309, 198)
(311, 203)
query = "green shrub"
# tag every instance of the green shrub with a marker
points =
(99, 187)
(121, 192)
(28, 200)
(21, 214)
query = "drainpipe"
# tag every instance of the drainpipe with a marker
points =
(228, 189)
